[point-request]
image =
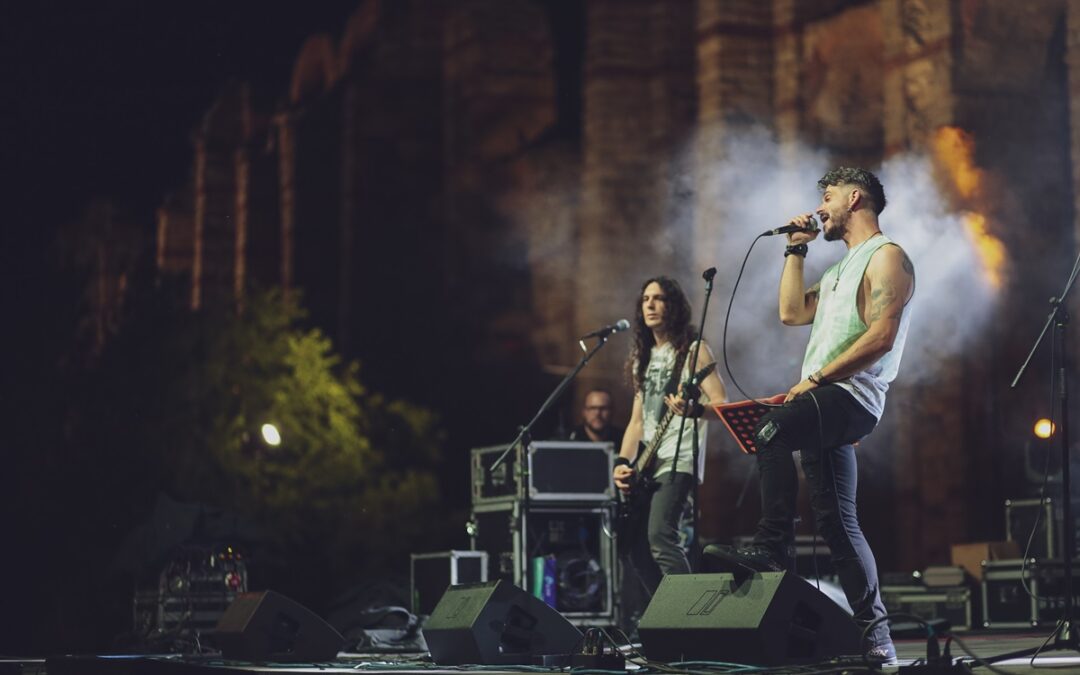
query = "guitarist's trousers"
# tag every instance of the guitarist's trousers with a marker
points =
(654, 549)
(828, 461)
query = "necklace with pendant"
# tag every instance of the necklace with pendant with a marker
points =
(845, 261)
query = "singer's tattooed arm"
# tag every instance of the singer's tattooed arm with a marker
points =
(887, 286)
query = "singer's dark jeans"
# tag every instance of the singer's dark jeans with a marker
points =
(828, 460)
(655, 550)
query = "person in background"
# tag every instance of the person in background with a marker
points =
(596, 425)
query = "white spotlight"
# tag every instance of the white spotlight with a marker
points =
(271, 435)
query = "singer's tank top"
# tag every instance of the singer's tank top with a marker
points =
(837, 324)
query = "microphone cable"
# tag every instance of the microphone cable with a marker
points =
(817, 406)
(727, 320)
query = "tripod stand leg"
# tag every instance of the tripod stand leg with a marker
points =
(1064, 638)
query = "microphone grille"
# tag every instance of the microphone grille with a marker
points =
(621, 325)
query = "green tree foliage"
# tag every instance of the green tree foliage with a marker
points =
(176, 402)
(353, 475)
(352, 481)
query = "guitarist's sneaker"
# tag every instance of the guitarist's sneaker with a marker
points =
(749, 559)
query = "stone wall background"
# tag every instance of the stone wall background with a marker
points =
(460, 189)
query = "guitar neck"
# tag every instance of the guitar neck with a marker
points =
(645, 458)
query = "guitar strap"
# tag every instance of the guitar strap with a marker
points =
(673, 382)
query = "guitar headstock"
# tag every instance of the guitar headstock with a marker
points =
(703, 373)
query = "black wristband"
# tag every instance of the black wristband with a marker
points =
(796, 249)
(622, 461)
(818, 379)
(690, 391)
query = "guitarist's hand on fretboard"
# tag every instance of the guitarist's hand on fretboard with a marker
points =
(676, 404)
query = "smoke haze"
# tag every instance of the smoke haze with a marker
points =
(752, 190)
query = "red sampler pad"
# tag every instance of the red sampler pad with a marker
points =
(741, 419)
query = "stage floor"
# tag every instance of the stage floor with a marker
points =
(982, 644)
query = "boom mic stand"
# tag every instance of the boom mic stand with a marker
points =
(691, 399)
(1065, 634)
(524, 437)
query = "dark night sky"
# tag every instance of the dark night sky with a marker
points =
(101, 97)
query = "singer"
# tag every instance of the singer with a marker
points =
(859, 317)
(658, 364)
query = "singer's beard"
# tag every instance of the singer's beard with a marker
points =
(839, 222)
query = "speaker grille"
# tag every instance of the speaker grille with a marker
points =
(768, 619)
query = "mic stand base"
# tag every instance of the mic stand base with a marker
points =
(1065, 638)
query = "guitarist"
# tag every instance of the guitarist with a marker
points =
(658, 365)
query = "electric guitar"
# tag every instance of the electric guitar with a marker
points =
(642, 483)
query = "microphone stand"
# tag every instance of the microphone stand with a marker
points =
(692, 395)
(525, 431)
(1065, 634)
(524, 438)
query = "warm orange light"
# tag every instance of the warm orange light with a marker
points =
(991, 250)
(1044, 428)
(954, 149)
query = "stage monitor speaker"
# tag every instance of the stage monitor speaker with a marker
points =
(495, 623)
(267, 626)
(768, 619)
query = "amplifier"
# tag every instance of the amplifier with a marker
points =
(164, 613)
(551, 471)
(1045, 517)
(494, 486)
(193, 591)
(577, 538)
(1008, 604)
(952, 603)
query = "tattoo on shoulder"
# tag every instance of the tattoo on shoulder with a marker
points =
(909, 268)
(815, 289)
(881, 298)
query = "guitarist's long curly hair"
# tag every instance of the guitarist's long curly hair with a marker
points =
(676, 325)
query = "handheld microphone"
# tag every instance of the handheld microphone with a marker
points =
(787, 229)
(617, 327)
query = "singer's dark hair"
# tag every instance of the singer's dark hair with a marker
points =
(676, 325)
(860, 178)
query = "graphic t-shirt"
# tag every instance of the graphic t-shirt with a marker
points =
(657, 376)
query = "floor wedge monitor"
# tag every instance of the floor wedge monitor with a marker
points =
(267, 626)
(769, 619)
(496, 623)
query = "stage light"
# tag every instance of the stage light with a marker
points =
(271, 435)
(1044, 428)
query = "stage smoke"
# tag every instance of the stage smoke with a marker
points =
(756, 185)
